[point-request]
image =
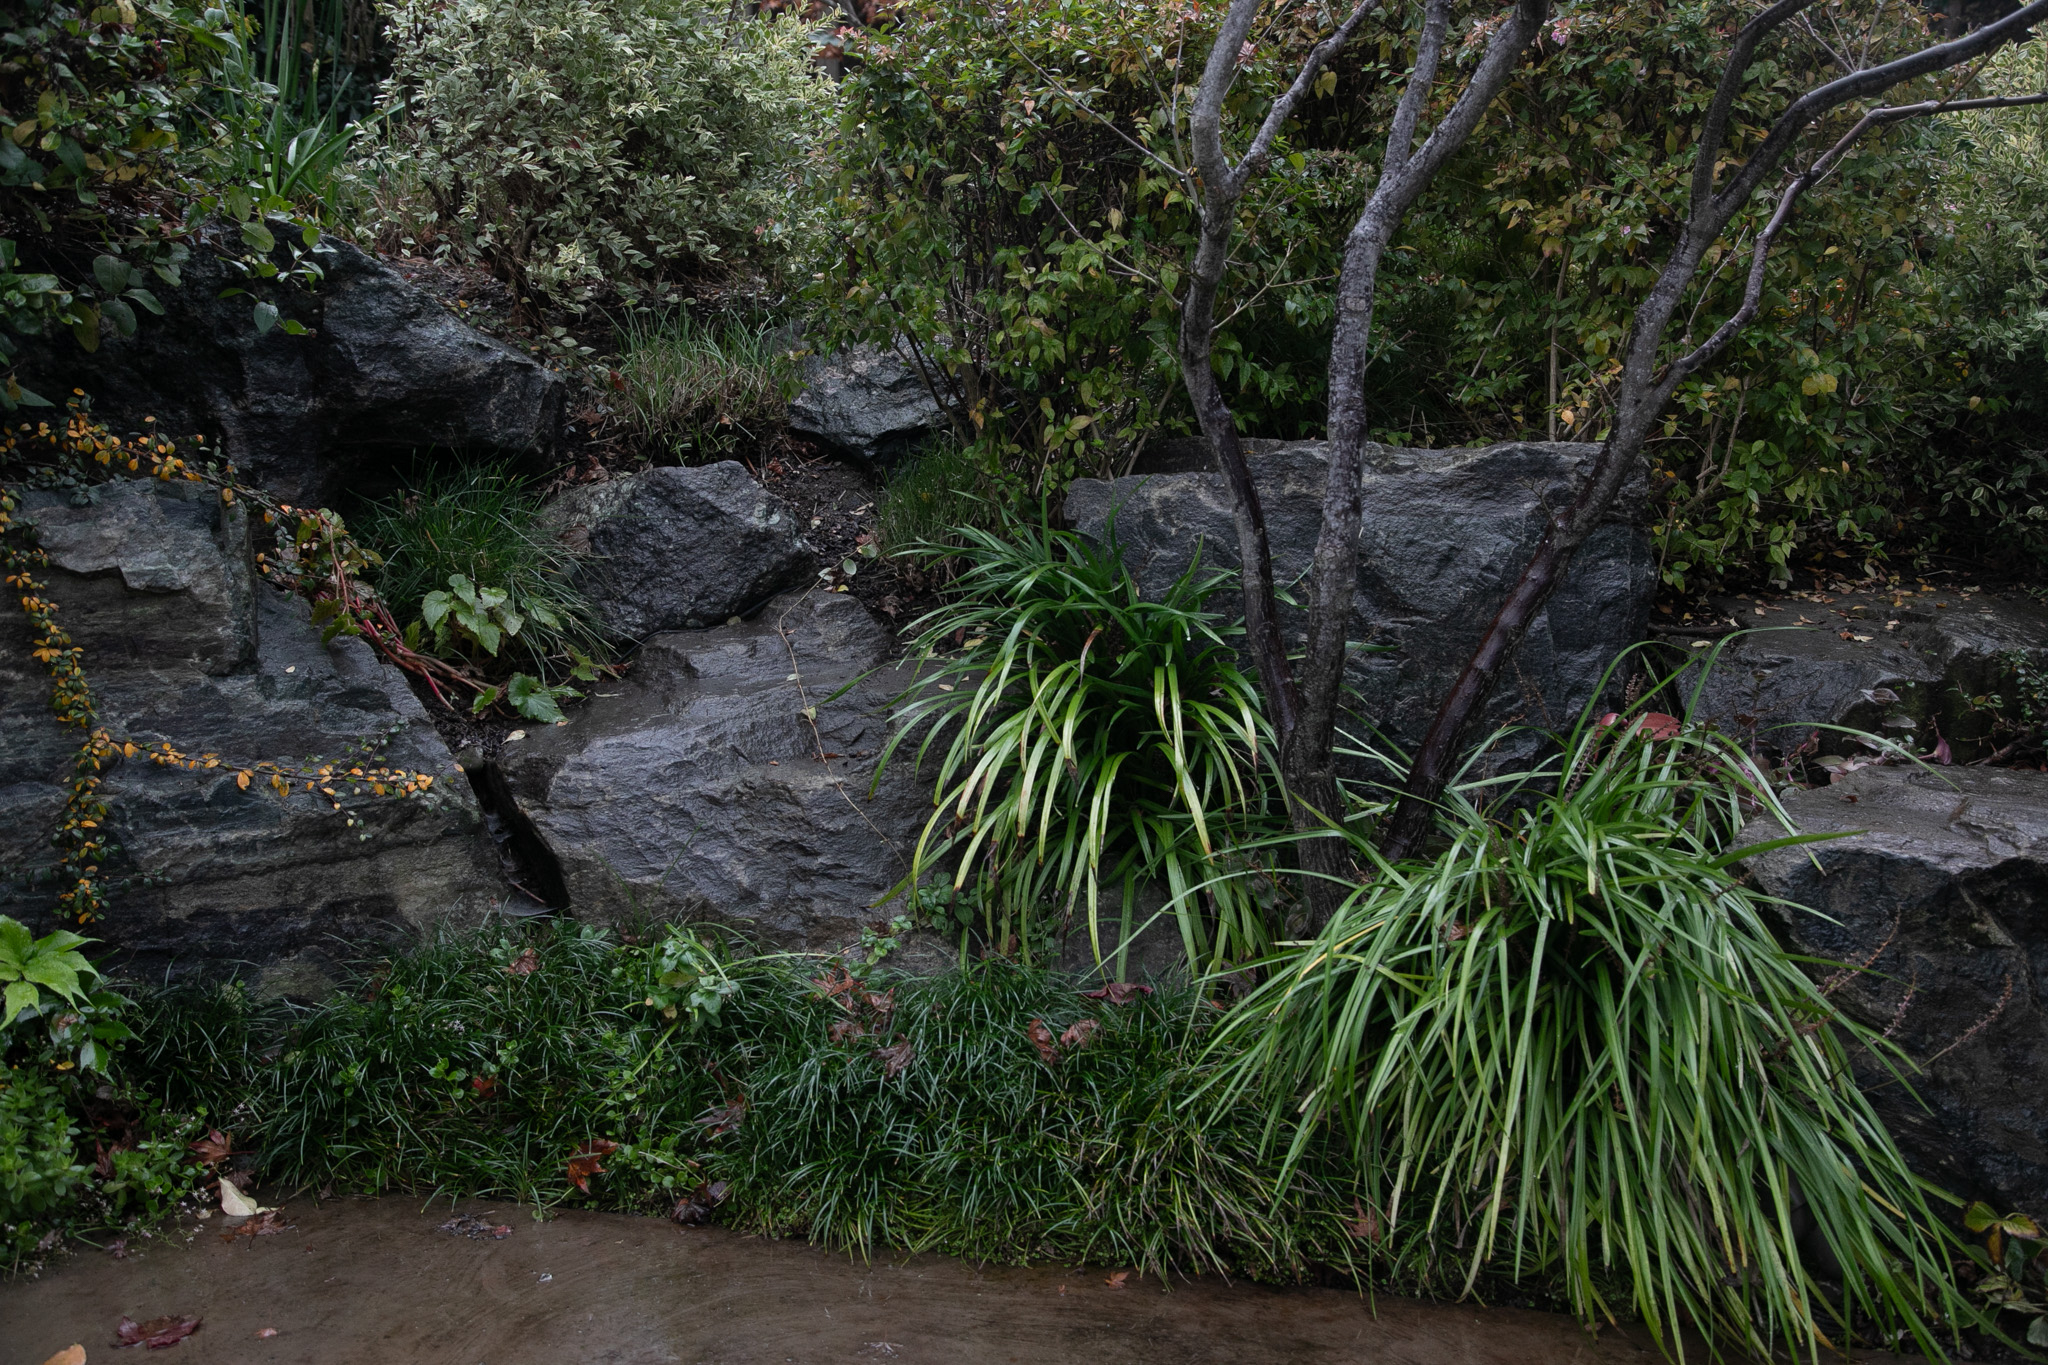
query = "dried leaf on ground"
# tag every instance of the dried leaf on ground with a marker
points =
(525, 964)
(1041, 1038)
(1118, 992)
(70, 1355)
(1078, 1033)
(265, 1333)
(1116, 1281)
(835, 985)
(589, 1161)
(268, 1225)
(155, 1334)
(695, 1207)
(471, 1226)
(235, 1204)
(724, 1119)
(214, 1147)
(896, 1056)
(843, 1029)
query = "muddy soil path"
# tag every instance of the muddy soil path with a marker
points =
(379, 1283)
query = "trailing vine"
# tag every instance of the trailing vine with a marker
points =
(316, 558)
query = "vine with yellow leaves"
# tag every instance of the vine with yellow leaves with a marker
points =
(318, 560)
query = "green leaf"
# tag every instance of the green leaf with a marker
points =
(2037, 1332)
(266, 317)
(433, 607)
(485, 700)
(50, 969)
(16, 943)
(111, 272)
(20, 996)
(1979, 1216)
(258, 236)
(122, 314)
(536, 701)
(146, 299)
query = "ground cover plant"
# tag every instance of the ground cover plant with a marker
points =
(704, 387)
(998, 1112)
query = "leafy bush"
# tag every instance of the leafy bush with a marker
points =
(588, 146)
(1568, 1043)
(930, 497)
(1087, 733)
(702, 387)
(465, 561)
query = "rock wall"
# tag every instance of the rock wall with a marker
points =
(183, 644)
(1445, 535)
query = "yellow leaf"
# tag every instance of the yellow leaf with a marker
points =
(242, 779)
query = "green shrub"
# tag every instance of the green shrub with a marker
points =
(479, 525)
(582, 147)
(932, 495)
(1085, 734)
(703, 387)
(1568, 1044)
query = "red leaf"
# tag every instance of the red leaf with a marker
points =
(1118, 992)
(1116, 1281)
(895, 1057)
(589, 1161)
(694, 1208)
(525, 964)
(1650, 724)
(1078, 1033)
(155, 1334)
(485, 1086)
(215, 1147)
(1366, 1226)
(1041, 1038)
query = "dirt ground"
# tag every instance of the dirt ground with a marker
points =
(356, 1283)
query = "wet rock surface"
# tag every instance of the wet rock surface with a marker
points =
(382, 373)
(1912, 665)
(352, 1281)
(1941, 897)
(680, 548)
(866, 403)
(1445, 535)
(183, 645)
(726, 777)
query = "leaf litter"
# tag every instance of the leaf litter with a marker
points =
(470, 1226)
(154, 1335)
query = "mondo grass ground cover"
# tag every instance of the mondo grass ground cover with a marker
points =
(996, 1113)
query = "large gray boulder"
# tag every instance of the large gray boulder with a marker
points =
(866, 403)
(1940, 897)
(382, 373)
(184, 645)
(726, 778)
(1909, 665)
(679, 548)
(1445, 534)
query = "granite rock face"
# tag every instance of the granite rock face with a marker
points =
(680, 548)
(382, 373)
(727, 778)
(1907, 665)
(865, 403)
(184, 645)
(1445, 534)
(1941, 894)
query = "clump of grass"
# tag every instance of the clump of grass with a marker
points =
(862, 1112)
(702, 387)
(1086, 734)
(482, 522)
(930, 496)
(1568, 1044)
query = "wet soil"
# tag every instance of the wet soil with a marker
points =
(380, 1281)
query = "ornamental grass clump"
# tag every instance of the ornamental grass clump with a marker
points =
(1086, 735)
(1568, 1046)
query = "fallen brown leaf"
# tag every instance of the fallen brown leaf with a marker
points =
(265, 1333)
(1078, 1033)
(896, 1056)
(155, 1334)
(216, 1146)
(843, 1029)
(470, 1226)
(70, 1355)
(1118, 992)
(1041, 1038)
(1365, 1226)
(695, 1207)
(266, 1226)
(589, 1161)
(1116, 1281)
(525, 964)
(725, 1118)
